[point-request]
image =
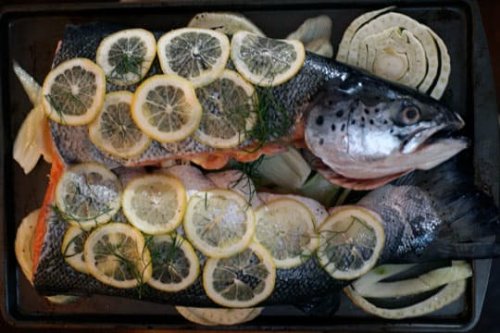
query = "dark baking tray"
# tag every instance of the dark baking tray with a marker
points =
(29, 35)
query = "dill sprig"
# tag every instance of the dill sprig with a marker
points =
(58, 107)
(162, 254)
(67, 216)
(131, 266)
(128, 64)
(273, 119)
(77, 240)
(78, 219)
(249, 175)
(334, 234)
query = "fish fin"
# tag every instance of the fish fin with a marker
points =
(354, 184)
(471, 227)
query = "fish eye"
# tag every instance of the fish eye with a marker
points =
(410, 115)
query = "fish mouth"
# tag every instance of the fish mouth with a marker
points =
(432, 147)
(425, 137)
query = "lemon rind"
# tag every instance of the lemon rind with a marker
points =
(190, 95)
(92, 112)
(244, 70)
(191, 278)
(209, 75)
(307, 250)
(265, 257)
(369, 217)
(218, 251)
(101, 219)
(96, 138)
(146, 271)
(106, 43)
(142, 225)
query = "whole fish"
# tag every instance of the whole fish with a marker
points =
(362, 131)
(426, 216)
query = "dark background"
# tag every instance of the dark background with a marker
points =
(490, 319)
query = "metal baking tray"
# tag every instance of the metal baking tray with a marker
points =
(29, 35)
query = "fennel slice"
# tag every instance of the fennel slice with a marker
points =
(343, 50)
(319, 27)
(444, 74)
(445, 296)
(399, 20)
(459, 270)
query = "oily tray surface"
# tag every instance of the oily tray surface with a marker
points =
(32, 38)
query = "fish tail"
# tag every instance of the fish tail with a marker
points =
(471, 220)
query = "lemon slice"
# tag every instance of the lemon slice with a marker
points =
(192, 317)
(175, 264)
(165, 108)
(351, 240)
(126, 55)
(241, 281)
(228, 23)
(24, 244)
(72, 248)
(88, 194)
(199, 55)
(265, 61)
(228, 111)
(114, 131)
(154, 204)
(116, 254)
(285, 227)
(219, 223)
(73, 92)
(212, 317)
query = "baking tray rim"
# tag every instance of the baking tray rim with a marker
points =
(43, 9)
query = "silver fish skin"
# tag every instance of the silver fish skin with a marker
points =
(361, 127)
(436, 214)
(426, 216)
(293, 286)
(364, 128)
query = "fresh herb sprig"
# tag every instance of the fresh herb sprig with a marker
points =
(127, 64)
(273, 119)
(57, 104)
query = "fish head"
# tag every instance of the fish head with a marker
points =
(364, 128)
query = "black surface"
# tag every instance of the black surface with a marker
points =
(36, 34)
